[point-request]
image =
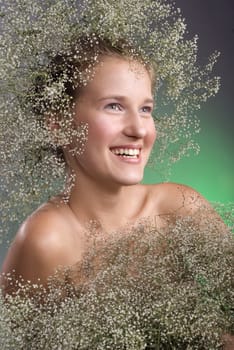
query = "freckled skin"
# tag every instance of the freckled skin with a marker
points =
(117, 107)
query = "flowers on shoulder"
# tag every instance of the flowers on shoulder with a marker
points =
(142, 288)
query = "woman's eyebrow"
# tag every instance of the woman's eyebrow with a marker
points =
(149, 100)
(114, 97)
(122, 98)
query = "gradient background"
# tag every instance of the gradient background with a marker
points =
(211, 172)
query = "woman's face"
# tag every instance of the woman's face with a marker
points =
(117, 106)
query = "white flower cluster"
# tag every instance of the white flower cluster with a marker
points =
(144, 289)
(35, 35)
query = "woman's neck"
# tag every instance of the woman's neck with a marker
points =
(110, 207)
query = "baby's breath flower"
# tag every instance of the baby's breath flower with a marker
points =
(138, 296)
(151, 289)
(35, 36)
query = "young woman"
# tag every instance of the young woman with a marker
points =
(116, 105)
(80, 79)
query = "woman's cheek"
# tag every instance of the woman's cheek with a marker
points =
(101, 130)
(152, 133)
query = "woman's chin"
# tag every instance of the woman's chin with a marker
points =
(130, 179)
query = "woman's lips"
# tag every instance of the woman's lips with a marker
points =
(127, 154)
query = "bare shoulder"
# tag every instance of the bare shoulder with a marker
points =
(42, 245)
(181, 199)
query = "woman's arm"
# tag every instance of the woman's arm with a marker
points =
(39, 248)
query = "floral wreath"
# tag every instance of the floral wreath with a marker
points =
(32, 33)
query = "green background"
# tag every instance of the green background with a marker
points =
(211, 172)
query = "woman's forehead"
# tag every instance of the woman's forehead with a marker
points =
(117, 73)
(113, 62)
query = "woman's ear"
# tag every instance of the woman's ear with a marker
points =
(64, 132)
(52, 122)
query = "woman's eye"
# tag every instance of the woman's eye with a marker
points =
(114, 106)
(146, 109)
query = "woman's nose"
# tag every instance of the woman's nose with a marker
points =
(135, 126)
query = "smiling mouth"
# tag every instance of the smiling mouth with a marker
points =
(131, 153)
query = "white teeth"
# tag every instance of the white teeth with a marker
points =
(125, 156)
(126, 151)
